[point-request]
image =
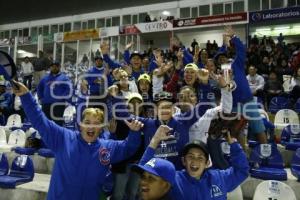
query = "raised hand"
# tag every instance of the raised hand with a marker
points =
(162, 133)
(134, 125)
(21, 90)
(104, 46)
(203, 75)
(129, 45)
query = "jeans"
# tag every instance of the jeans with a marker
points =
(126, 185)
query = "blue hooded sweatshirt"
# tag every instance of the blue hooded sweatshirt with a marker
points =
(58, 84)
(95, 88)
(214, 184)
(80, 167)
(242, 93)
(171, 149)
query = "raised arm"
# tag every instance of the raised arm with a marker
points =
(123, 149)
(238, 172)
(162, 133)
(52, 134)
(105, 52)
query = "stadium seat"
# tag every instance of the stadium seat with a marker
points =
(266, 163)
(14, 122)
(236, 194)
(297, 106)
(69, 117)
(295, 164)
(17, 138)
(274, 190)
(287, 87)
(46, 153)
(285, 117)
(21, 171)
(278, 103)
(3, 140)
(290, 137)
(3, 164)
(252, 143)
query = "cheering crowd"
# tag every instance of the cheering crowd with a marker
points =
(155, 121)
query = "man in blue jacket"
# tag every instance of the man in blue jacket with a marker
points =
(54, 90)
(196, 181)
(82, 159)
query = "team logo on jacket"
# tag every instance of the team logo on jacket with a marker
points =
(104, 156)
(215, 191)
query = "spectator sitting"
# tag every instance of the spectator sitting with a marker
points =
(295, 85)
(256, 81)
(272, 88)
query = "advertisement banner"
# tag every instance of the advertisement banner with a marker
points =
(155, 26)
(275, 14)
(129, 30)
(81, 35)
(109, 31)
(217, 19)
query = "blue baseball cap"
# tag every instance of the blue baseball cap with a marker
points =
(158, 167)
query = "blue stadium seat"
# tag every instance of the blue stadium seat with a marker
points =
(46, 153)
(3, 164)
(24, 150)
(295, 164)
(290, 137)
(22, 171)
(297, 106)
(252, 143)
(266, 163)
(278, 103)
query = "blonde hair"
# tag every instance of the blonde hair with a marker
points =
(96, 112)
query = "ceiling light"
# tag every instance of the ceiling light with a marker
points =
(166, 13)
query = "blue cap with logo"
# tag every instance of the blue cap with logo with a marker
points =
(159, 167)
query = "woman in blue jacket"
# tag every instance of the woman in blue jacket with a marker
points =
(196, 181)
(82, 160)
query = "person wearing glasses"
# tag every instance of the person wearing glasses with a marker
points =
(196, 181)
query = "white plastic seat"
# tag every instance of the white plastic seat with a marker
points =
(14, 120)
(69, 113)
(274, 190)
(236, 194)
(17, 138)
(285, 117)
(3, 140)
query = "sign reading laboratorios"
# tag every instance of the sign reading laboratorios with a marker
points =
(217, 19)
(81, 35)
(274, 14)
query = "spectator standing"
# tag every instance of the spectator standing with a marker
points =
(27, 69)
(54, 88)
(40, 66)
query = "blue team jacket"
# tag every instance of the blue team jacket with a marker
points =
(80, 168)
(95, 74)
(171, 149)
(213, 184)
(242, 93)
(62, 88)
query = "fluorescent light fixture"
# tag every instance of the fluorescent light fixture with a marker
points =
(21, 51)
(166, 13)
(282, 28)
(263, 29)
